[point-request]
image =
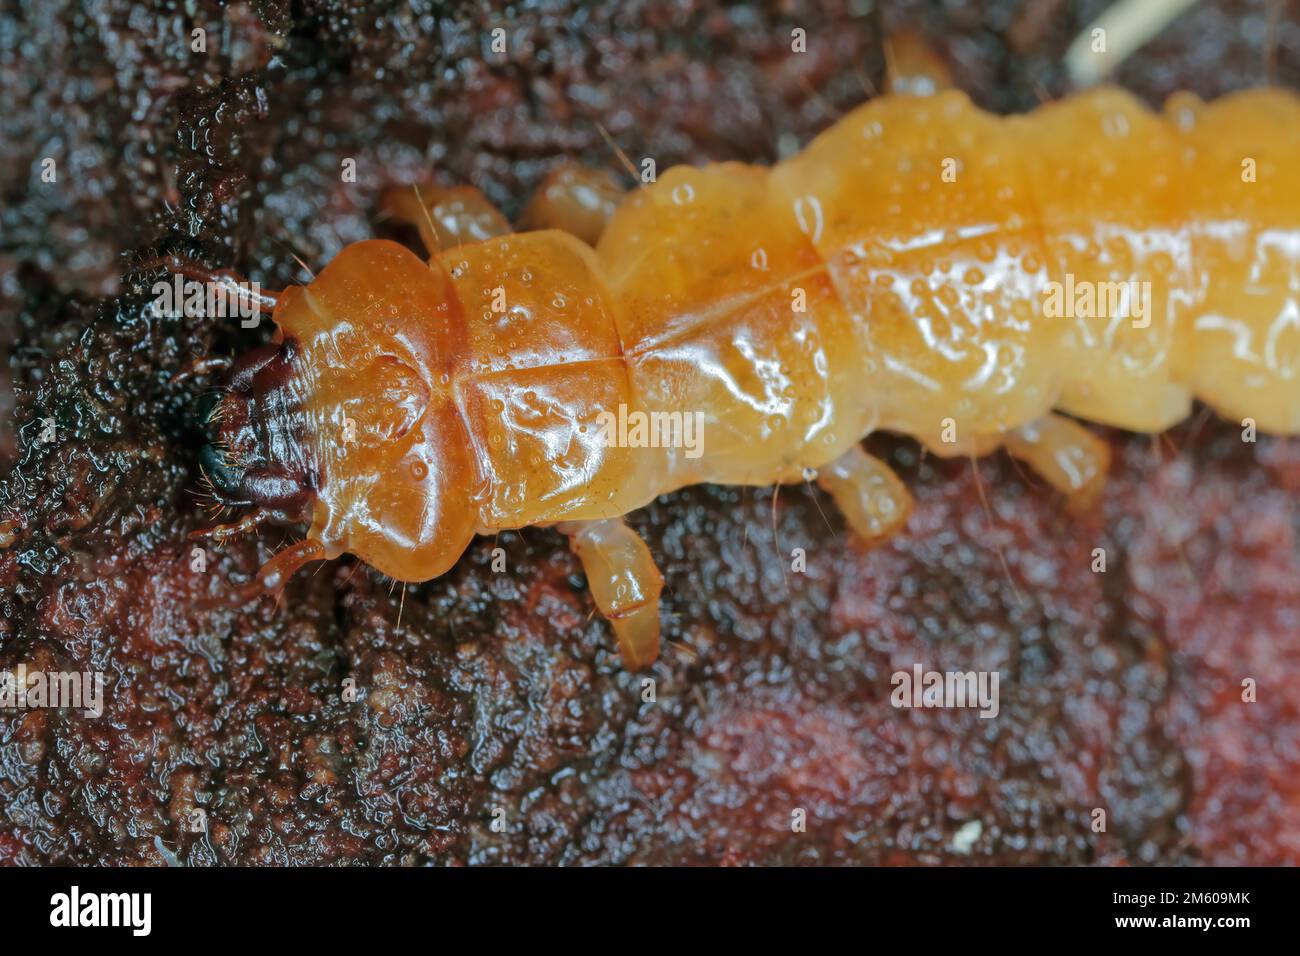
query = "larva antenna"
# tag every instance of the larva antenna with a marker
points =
(622, 156)
(220, 534)
(261, 299)
(272, 577)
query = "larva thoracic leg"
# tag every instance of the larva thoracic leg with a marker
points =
(445, 218)
(873, 500)
(913, 67)
(576, 199)
(1067, 455)
(624, 583)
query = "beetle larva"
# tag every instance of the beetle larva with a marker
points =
(922, 267)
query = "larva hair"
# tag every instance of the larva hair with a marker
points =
(894, 275)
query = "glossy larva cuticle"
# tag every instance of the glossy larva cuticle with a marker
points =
(897, 274)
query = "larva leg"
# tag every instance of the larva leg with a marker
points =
(445, 218)
(1067, 455)
(576, 199)
(913, 66)
(285, 564)
(624, 582)
(221, 533)
(873, 500)
(272, 576)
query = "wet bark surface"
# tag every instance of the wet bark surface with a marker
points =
(319, 729)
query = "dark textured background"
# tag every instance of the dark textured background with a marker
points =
(502, 691)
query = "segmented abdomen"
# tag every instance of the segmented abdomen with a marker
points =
(958, 250)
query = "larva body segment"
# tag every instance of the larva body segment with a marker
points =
(952, 278)
(726, 309)
(898, 274)
(1242, 354)
(378, 338)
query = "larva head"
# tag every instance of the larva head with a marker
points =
(351, 418)
(257, 456)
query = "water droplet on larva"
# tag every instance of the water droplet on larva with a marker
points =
(419, 470)
(810, 474)
(1115, 125)
(559, 302)
(683, 194)
(973, 277)
(872, 129)
(1184, 119)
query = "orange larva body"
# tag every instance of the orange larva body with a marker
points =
(891, 276)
